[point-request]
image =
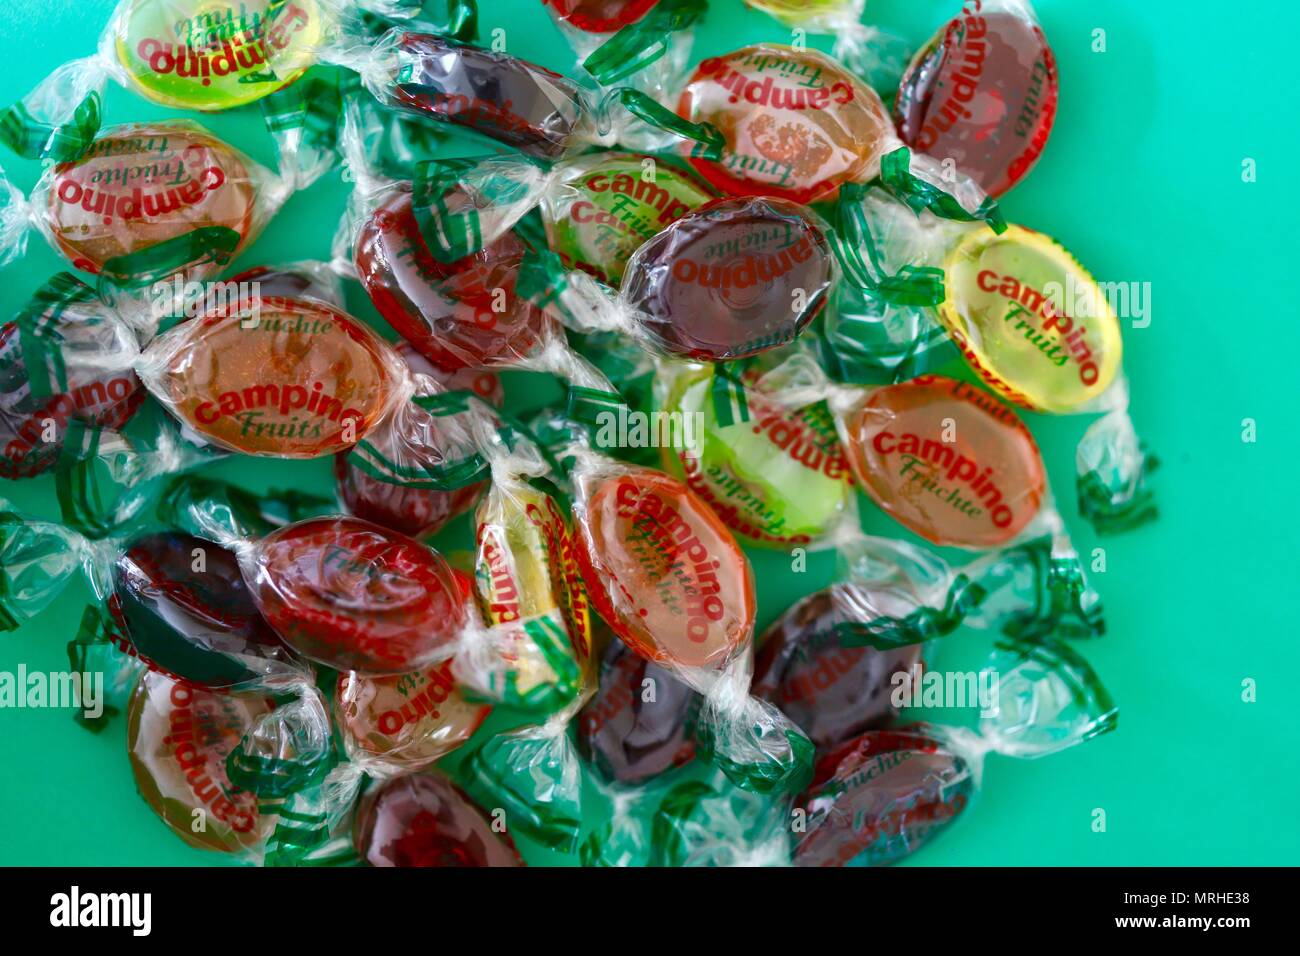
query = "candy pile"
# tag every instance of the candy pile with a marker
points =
(764, 285)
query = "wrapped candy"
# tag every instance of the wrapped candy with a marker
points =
(885, 794)
(982, 93)
(732, 279)
(1032, 323)
(798, 125)
(424, 819)
(144, 202)
(776, 475)
(341, 591)
(672, 583)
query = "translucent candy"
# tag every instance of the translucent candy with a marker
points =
(355, 596)
(881, 797)
(144, 184)
(282, 377)
(1030, 319)
(406, 721)
(946, 460)
(732, 279)
(627, 737)
(182, 606)
(426, 820)
(605, 206)
(664, 572)
(178, 738)
(72, 376)
(215, 54)
(983, 94)
(797, 124)
(831, 691)
(600, 16)
(457, 314)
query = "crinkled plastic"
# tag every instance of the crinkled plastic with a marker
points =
(1032, 323)
(884, 795)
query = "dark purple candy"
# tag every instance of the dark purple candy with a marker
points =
(195, 621)
(830, 691)
(734, 278)
(629, 739)
(500, 96)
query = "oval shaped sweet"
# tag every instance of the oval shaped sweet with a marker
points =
(731, 279)
(281, 377)
(947, 460)
(796, 123)
(140, 185)
(216, 54)
(90, 361)
(463, 313)
(983, 94)
(806, 12)
(354, 596)
(605, 207)
(830, 691)
(1030, 320)
(182, 604)
(624, 736)
(178, 738)
(407, 720)
(507, 99)
(778, 478)
(663, 571)
(530, 591)
(600, 16)
(426, 820)
(882, 797)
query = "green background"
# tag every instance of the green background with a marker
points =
(1142, 180)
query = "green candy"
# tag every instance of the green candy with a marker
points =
(775, 475)
(605, 206)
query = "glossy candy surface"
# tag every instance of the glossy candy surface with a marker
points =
(731, 279)
(663, 570)
(880, 798)
(606, 206)
(483, 382)
(355, 596)
(510, 100)
(528, 585)
(406, 720)
(178, 738)
(831, 691)
(452, 313)
(947, 460)
(600, 16)
(426, 820)
(281, 377)
(216, 54)
(1030, 319)
(82, 349)
(796, 123)
(779, 477)
(627, 737)
(183, 607)
(144, 184)
(982, 93)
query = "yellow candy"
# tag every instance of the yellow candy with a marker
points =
(526, 574)
(216, 54)
(1030, 320)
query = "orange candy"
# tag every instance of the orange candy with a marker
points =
(408, 720)
(796, 123)
(663, 570)
(144, 184)
(947, 460)
(281, 377)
